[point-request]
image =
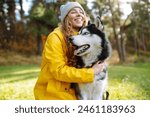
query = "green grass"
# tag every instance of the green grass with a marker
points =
(17, 81)
(130, 82)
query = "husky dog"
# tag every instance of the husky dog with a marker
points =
(91, 46)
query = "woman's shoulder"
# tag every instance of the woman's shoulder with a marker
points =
(55, 35)
(57, 31)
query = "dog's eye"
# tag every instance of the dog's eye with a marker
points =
(85, 33)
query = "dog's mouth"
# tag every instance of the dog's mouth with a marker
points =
(81, 49)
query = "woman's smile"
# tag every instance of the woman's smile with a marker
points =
(76, 16)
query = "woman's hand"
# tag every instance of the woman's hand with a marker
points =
(98, 67)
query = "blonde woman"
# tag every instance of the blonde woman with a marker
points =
(58, 69)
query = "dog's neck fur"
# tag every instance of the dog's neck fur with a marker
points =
(91, 58)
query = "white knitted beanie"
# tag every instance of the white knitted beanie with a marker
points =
(64, 9)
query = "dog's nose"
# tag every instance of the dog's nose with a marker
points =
(70, 39)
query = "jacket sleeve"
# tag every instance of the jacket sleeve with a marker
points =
(55, 57)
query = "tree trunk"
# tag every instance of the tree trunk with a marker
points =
(21, 10)
(118, 42)
(122, 40)
(136, 44)
(39, 44)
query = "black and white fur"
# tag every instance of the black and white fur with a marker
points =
(92, 46)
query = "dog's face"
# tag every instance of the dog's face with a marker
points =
(88, 40)
(91, 39)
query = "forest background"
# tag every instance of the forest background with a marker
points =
(22, 36)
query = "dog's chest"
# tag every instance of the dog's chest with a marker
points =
(95, 89)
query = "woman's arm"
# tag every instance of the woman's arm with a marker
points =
(56, 58)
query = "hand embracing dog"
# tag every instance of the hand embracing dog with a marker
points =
(92, 46)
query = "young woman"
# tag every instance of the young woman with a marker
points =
(58, 69)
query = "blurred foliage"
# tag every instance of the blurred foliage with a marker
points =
(43, 18)
(23, 32)
(130, 34)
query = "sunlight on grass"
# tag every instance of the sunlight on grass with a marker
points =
(18, 75)
(126, 82)
(18, 90)
(18, 82)
(129, 82)
(26, 71)
(126, 90)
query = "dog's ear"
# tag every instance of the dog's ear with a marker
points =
(89, 22)
(99, 23)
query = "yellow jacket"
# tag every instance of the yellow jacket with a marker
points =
(55, 76)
